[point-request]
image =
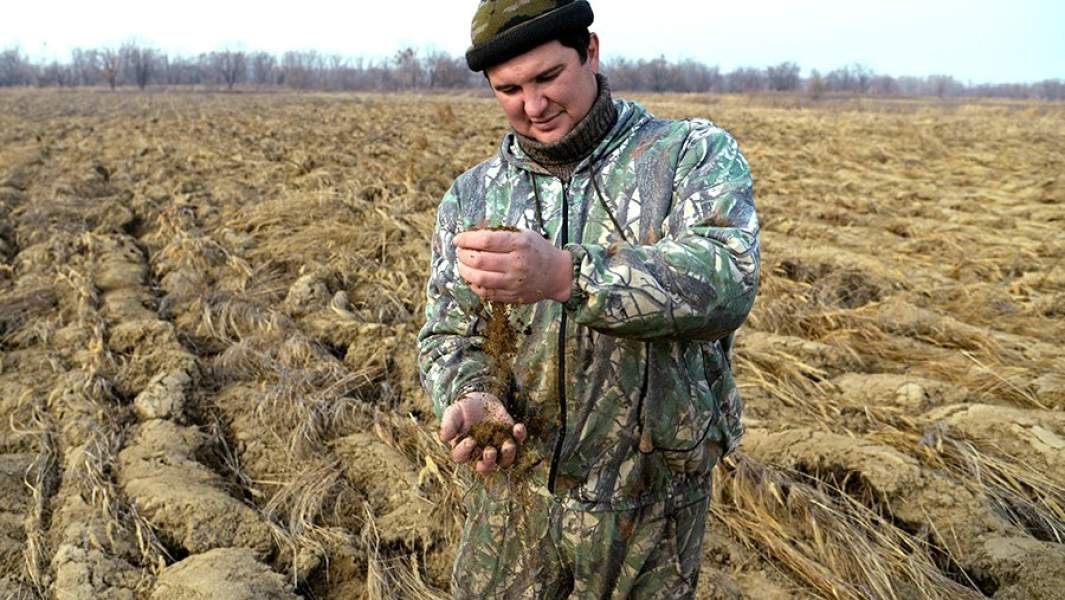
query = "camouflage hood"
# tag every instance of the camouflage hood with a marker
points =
(626, 388)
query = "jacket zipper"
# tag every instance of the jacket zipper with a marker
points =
(553, 473)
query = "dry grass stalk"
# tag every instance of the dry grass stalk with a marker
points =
(442, 479)
(228, 318)
(22, 307)
(299, 506)
(1003, 380)
(42, 479)
(834, 543)
(306, 393)
(92, 476)
(1030, 498)
(787, 378)
(228, 458)
(396, 576)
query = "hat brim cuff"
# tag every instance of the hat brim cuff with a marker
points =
(530, 34)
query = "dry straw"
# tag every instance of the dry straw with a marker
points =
(888, 246)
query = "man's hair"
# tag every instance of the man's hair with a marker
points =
(578, 39)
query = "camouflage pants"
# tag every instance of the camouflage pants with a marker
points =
(538, 547)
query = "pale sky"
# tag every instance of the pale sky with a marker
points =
(976, 40)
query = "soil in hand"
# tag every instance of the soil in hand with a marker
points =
(490, 434)
(501, 341)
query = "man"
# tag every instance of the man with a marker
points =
(627, 250)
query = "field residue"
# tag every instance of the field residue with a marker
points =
(208, 310)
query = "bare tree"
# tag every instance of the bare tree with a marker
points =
(815, 85)
(745, 79)
(182, 70)
(139, 61)
(445, 71)
(783, 77)
(301, 70)
(883, 85)
(408, 66)
(1051, 89)
(406, 69)
(659, 74)
(15, 69)
(851, 78)
(692, 76)
(942, 84)
(56, 74)
(231, 66)
(83, 66)
(863, 76)
(337, 74)
(263, 68)
(910, 86)
(109, 65)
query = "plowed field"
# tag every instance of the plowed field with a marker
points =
(208, 310)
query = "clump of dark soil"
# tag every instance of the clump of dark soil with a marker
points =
(490, 434)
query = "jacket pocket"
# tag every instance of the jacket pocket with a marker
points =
(682, 410)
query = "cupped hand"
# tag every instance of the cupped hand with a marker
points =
(459, 419)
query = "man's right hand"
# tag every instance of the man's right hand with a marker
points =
(472, 409)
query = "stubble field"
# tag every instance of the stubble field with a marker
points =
(208, 310)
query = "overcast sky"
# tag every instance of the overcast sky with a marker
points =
(975, 40)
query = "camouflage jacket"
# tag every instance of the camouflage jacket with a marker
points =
(634, 370)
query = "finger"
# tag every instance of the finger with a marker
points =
(485, 279)
(495, 295)
(490, 241)
(496, 262)
(451, 423)
(506, 456)
(487, 464)
(461, 453)
(520, 433)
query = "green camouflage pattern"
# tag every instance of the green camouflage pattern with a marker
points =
(656, 298)
(542, 549)
(496, 16)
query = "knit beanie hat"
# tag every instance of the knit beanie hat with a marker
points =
(503, 29)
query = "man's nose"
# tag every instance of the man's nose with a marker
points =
(535, 105)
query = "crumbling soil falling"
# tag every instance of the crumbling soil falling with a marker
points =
(501, 342)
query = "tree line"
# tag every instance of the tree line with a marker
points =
(410, 68)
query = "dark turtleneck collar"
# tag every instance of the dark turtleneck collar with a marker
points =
(560, 158)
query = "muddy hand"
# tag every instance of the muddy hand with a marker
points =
(472, 409)
(515, 267)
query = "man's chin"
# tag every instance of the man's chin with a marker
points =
(547, 137)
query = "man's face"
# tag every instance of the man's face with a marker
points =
(546, 91)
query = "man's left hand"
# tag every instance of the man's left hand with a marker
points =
(514, 267)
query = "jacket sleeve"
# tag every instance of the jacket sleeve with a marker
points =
(451, 357)
(699, 280)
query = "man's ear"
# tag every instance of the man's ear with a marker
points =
(593, 51)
